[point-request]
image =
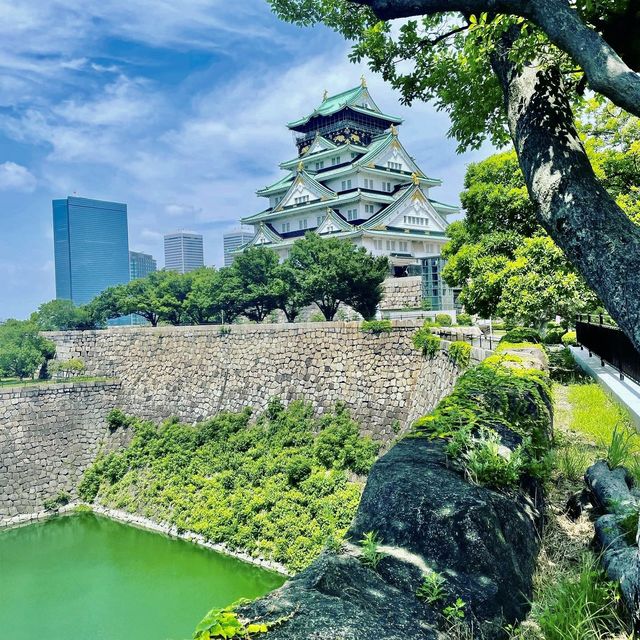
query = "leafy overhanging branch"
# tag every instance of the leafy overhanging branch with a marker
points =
(604, 69)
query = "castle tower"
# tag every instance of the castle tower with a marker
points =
(352, 178)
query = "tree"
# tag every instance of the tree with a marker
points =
(256, 271)
(502, 259)
(332, 271)
(170, 293)
(63, 315)
(22, 349)
(139, 297)
(291, 297)
(515, 69)
(108, 304)
(539, 284)
(366, 274)
(202, 303)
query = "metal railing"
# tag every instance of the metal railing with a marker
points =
(601, 337)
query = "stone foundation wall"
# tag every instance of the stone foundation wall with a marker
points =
(402, 293)
(48, 436)
(196, 372)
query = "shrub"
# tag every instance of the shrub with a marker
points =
(317, 317)
(298, 469)
(376, 326)
(460, 353)
(464, 320)
(486, 395)
(117, 419)
(54, 503)
(370, 555)
(443, 320)
(276, 488)
(425, 341)
(553, 337)
(522, 334)
(431, 589)
(564, 369)
(425, 305)
(488, 465)
(569, 339)
(66, 367)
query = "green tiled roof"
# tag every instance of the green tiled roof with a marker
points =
(332, 104)
(279, 185)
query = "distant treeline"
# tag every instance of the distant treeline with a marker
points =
(325, 271)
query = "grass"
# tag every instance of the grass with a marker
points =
(16, 382)
(597, 417)
(572, 598)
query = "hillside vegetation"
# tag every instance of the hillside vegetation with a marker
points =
(278, 489)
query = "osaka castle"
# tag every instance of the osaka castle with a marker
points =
(353, 178)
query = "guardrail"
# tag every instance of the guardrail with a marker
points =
(600, 337)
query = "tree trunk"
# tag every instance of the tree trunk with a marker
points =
(572, 205)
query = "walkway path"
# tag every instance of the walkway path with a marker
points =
(626, 391)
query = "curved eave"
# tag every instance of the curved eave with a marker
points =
(294, 126)
(325, 153)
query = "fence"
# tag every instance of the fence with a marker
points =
(609, 344)
(482, 341)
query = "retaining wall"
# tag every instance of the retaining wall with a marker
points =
(49, 434)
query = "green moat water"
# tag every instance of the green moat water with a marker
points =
(83, 576)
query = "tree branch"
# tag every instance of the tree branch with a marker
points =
(430, 42)
(605, 70)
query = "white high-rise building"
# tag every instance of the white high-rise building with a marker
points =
(183, 252)
(233, 241)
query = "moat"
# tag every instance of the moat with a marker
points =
(85, 576)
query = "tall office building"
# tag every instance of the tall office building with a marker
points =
(141, 264)
(183, 252)
(91, 244)
(233, 241)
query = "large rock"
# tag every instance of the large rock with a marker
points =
(429, 517)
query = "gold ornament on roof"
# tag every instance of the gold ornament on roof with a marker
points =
(394, 130)
(300, 166)
(325, 95)
(414, 178)
(363, 82)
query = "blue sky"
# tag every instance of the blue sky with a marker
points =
(176, 107)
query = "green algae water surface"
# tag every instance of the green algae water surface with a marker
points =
(82, 576)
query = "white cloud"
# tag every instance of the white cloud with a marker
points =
(16, 177)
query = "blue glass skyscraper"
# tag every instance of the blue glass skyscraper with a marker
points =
(91, 241)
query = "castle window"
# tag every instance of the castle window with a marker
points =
(346, 184)
(368, 183)
(391, 245)
(403, 247)
(302, 224)
(335, 160)
(301, 199)
(386, 186)
(319, 165)
(368, 208)
(394, 165)
(378, 244)
(352, 214)
(319, 220)
(286, 227)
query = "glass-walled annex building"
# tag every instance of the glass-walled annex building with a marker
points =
(141, 264)
(91, 243)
